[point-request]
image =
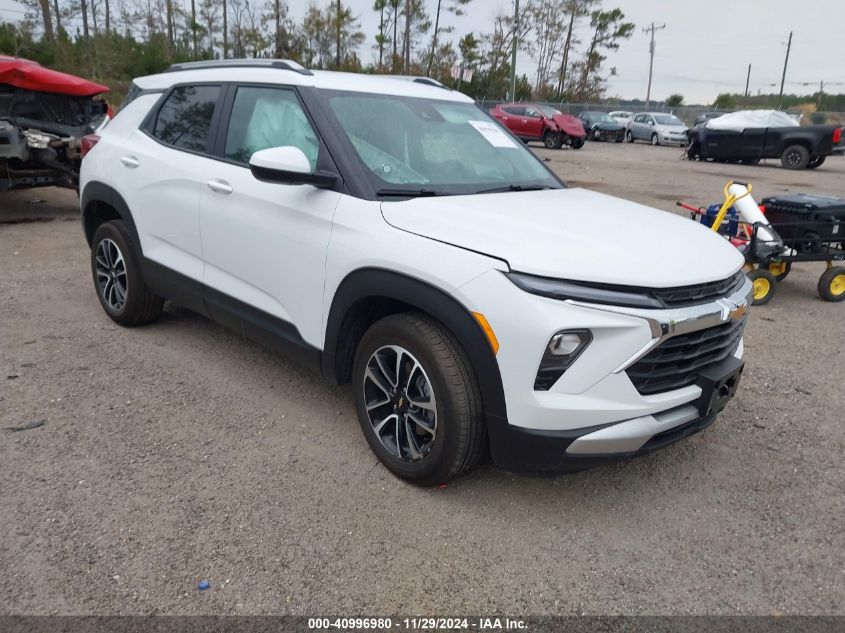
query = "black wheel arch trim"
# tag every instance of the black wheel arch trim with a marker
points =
(378, 283)
(95, 192)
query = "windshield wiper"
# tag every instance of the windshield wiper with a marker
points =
(507, 188)
(408, 193)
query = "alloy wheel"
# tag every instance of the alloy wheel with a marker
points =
(400, 403)
(792, 158)
(111, 274)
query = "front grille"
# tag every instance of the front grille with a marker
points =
(676, 362)
(700, 293)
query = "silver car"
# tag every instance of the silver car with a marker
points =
(658, 128)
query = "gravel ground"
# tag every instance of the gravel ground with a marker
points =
(179, 451)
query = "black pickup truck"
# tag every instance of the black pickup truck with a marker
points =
(799, 147)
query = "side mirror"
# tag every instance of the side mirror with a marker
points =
(288, 165)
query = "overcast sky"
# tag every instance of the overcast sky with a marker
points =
(705, 48)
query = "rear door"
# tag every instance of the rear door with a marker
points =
(163, 168)
(516, 120)
(264, 243)
(533, 122)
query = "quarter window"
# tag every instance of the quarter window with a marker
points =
(184, 119)
(268, 117)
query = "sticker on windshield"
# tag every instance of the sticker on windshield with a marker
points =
(492, 133)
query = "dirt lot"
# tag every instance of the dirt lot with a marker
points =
(178, 451)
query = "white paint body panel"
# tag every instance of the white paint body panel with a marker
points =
(574, 234)
(285, 250)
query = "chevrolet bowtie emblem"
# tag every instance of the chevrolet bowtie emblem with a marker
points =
(737, 313)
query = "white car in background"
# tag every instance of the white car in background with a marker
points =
(621, 116)
(392, 234)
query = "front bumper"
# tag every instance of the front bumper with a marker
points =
(593, 410)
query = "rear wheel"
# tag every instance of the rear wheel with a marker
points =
(417, 399)
(117, 277)
(795, 157)
(655, 140)
(832, 284)
(780, 270)
(816, 161)
(764, 286)
(552, 140)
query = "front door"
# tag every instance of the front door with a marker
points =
(265, 243)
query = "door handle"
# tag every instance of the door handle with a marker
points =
(525, 120)
(220, 186)
(130, 161)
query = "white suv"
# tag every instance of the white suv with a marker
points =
(389, 232)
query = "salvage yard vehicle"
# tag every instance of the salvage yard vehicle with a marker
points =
(622, 117)
(44, 115)
(601, 126)
(751, 135)
(390, 233)
(658, 128)
(531, 122)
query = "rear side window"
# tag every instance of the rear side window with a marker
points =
(184, 119)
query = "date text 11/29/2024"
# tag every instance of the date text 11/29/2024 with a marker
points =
(418, 624)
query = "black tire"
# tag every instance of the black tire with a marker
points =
(764, 286)
(577, 143)
(139, 305)
(620, 137)
(655, 140)
(552, 140)
(629, 136)
(795, 157)
(460, 434)
(591, 135)
(816, 161)
(780, 270)
(832, 284)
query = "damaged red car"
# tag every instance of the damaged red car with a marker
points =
(534, 122)
(44, 115)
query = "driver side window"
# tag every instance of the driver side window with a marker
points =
(268, 117)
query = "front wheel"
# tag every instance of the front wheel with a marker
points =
(117, 277)
(795, 157)
(629, 136)
(417, 399)
(655, 140)
(576, 143)
(764, 286)
(552, 140)
(832, 284)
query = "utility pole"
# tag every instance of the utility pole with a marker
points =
(651, 30)
(747, 81)
(783, 77)
(513, 50)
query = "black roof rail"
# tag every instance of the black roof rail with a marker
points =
(280, 64)
(428, 81)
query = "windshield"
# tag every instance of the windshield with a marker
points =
(433, 147)
(549, 111)
(667, 119)
(601, 117)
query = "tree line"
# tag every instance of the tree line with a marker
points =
(114, 40)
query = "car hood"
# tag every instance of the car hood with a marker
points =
(573, 234)
(570, 124)
(606, 125)
(677, 129)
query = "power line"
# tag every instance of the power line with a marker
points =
(651, 29)
(785, 62)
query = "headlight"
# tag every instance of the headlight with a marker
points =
(577, 291)
(562, 350)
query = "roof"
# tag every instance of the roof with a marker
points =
(29, 75)
(274, 72)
